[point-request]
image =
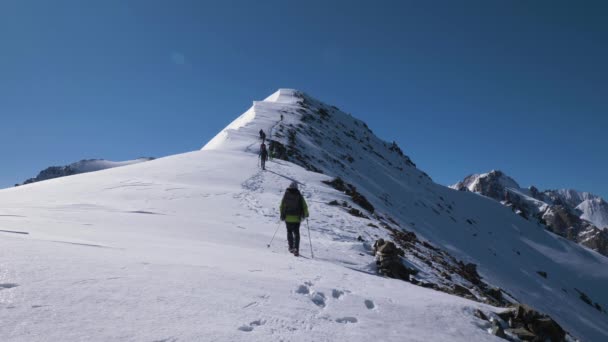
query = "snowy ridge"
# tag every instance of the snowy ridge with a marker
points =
(176, 247)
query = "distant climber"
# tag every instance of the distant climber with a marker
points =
(293, 210)
(262, 135)
(263, 156)
(281, 117)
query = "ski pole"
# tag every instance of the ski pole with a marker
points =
(310, 240)
(275, 233)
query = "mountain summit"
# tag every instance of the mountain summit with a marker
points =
(177, 248)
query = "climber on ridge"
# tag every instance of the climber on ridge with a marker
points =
(263, 156)
(293, 210)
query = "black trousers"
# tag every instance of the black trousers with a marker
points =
(293, 235)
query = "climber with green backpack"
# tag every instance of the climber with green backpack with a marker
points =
(293, 210)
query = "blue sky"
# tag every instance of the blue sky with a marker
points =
(462, 86)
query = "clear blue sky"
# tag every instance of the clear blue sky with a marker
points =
(462, 86)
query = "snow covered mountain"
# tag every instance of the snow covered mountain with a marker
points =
(595, 211)
(176, 248)
(83, 166)
(579, 216)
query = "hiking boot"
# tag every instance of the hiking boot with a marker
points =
(295, 252)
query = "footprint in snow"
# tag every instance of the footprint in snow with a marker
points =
(319, 299)
(346, 320)
(8, 286)
(337, 293)
(250, 326)
(303, 289)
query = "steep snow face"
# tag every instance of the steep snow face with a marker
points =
(145, 252)
(83, 166)
(595, 211)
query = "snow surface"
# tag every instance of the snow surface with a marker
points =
(573, 197)
(595, 211)
(92, 165)
(176, 249)
(83, 166)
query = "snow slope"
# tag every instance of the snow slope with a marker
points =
(578, 216)
(83, 166)
(175, 248)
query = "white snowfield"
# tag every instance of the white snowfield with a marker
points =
(175, 249)
(92, 165)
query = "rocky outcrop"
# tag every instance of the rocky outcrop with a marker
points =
(518, 322)
(491, 184)
(562, 221)
(388, 260)
(528, 324)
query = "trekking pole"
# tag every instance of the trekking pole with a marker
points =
(275, 233)
(310, 240)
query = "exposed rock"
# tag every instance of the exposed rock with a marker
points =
(388, 259)
(498, 331)
(495, 293)
(530, 325)
(479, 314)
(351, 191)
(462, 291)
(523, 334)
(542, 274)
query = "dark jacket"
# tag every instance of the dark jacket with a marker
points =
(293, 217)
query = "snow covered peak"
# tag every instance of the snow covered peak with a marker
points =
(595, 211)
(313, 134)
(492, 184)
(239, 134)
(573, 197)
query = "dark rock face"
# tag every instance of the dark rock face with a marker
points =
(562, 221)
(351, 191)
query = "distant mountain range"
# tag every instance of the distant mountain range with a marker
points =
(578, 216)
(83, 166)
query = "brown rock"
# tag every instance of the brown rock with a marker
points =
(523, 334)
